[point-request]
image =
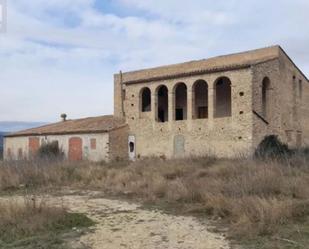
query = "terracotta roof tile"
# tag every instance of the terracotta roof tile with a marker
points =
(216, 63)
(85, 125)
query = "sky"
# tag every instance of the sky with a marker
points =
(59, 56)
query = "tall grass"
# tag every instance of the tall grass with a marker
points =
(254, 197)
(28, 216)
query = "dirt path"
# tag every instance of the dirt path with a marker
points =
(124, 225)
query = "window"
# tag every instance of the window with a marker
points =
(93, 143)
(162, 101)
(265, 97)
(223, 97)
(200, 100)
(145, 98)
(131, 147)
(181, 101)
(179, 114)
(202, 112)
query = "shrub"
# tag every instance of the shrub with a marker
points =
(50, 151)
(272, 148)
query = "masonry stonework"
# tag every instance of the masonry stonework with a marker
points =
(222, 106)
(266, 98)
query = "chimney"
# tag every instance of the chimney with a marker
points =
(64, 117)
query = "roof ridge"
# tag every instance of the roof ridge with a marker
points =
(95, 124)
(204, 59)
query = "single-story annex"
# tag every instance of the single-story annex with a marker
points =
(95, 139)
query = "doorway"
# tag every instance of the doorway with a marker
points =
(75, 149)
(179, 145)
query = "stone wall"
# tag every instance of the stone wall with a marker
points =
(273, 118)
(294, 103)
(118, 143)
(282, 110)
(13, 146)
(288, 116)
(224, 137)
(119, 95)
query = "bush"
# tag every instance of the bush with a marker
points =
(272, 148)
(50, 151)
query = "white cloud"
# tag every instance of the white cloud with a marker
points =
(60, 55)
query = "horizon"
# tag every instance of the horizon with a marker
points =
(60, 56)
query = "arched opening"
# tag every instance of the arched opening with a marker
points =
(265, 96)
(145, 100)
(200, 99)
(181, 101)
(223, 97)
(162, 100)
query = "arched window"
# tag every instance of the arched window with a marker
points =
(131, 147)
(145, 99)
(265, 97)
(223, 97)
(180, 101)
(162, 103)
(200, 99)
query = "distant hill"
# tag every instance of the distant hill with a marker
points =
(12, 126)
(1, 143)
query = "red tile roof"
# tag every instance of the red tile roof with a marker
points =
(86, 125)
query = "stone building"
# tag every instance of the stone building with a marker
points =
(95, 139)
(221, 106)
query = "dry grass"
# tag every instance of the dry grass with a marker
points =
(28, 216)
(31, 222)
(255, 198)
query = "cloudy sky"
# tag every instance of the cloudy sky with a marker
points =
(60, 55)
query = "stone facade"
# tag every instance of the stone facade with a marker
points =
(95, 139)
(265, 93)
(223, 106)
(99, 153)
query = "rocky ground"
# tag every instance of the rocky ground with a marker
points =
(120, 224)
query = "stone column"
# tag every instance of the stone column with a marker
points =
(154, 109)
(211, 107)
(189, 108)
(189, 105)
(171, 108)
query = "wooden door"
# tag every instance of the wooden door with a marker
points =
(34, 146)
(75, 149)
